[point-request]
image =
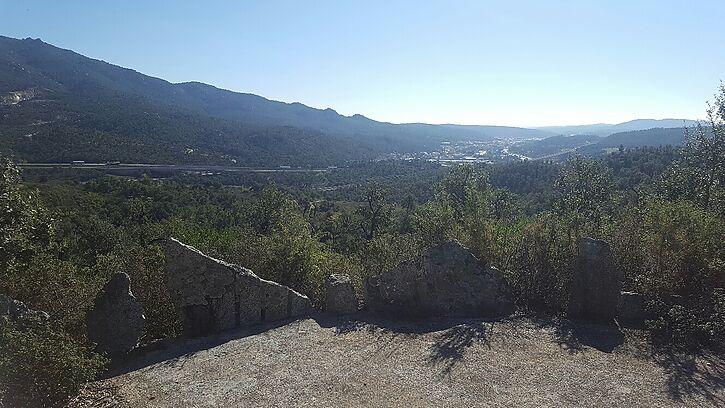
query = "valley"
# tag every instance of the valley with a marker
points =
(166, 242)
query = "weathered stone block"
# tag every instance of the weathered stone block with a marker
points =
(446, 280)
(340, 296)
(275, 301)
(116, 321)
(299, 304)
(596, 283)
(213, 295)
(631, 309)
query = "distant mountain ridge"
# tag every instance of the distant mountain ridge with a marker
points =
(57, 105)
(603, 129)
(115, 107)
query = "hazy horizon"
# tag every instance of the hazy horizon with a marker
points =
(520, 64)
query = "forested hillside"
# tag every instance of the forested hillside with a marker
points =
(603, 129)
(656, 137)
(57, 106)
(661, 210)
(649, 137)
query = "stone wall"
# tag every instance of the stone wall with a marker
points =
(212, 295)
(596, 283)
(446, 280)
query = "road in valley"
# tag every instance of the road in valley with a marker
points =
(165, 167)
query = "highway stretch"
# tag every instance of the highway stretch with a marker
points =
(166, 167)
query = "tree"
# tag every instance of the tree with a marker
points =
(23, 222)
(376, 212)
(460, 185)
(705, 150)
(585, 190)
(504, 205)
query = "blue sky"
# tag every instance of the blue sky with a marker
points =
(522, 63)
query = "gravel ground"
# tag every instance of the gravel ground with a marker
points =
(365, 361)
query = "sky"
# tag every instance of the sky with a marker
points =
(518, 63)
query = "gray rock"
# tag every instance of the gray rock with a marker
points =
(678, 300)
(21, 314)
(5, 303)
(340, 296)
(299, 304)
(446, 280)
(631, 309)
(275, 301)
(212, 295)
(596, 283)
(116, 321)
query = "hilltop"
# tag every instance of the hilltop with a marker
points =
(332, 361)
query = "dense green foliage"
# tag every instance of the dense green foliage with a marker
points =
(40, 365)
(649, 137)
(63, 235)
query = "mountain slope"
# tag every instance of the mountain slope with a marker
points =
(58, 105)
(648, 137)
(638, 138)
(603, 129)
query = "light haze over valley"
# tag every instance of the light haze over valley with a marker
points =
(362, 204)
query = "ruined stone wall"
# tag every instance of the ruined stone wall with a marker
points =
(212, 295)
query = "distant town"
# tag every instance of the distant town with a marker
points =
(472, 151)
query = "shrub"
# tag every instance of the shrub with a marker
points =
(540, 268)
(669, 248)
(692, 323)
(42, 366)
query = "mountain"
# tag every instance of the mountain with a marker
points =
(648, 137)
(637, 138)
(603, 129)
(552, 145)
(57, 105)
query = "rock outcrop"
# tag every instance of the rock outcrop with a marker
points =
(596, 283)
(212, 295)
(631, 309)
(116, 321)
(16, 311)
(340, 296)
(446, 280)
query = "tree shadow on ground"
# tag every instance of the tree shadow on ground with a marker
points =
(573, 336)
(687, 374)
(374, 323)
(450, 346)
(175, 352)
(448, 349)
(691, 374)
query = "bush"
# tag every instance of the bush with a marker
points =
(540, 268)
(693, 323)
(675, 325)
(41, 366)
(669, 248)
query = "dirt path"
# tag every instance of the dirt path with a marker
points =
(369, 362)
